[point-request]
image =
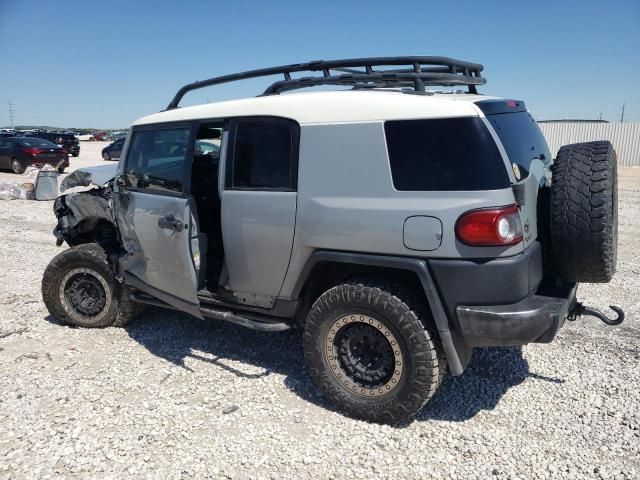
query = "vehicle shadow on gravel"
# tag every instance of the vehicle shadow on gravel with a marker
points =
(491, 372)
(181, 340)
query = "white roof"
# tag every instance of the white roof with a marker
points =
(330, 107)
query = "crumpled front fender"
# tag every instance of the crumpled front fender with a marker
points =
(85, 217)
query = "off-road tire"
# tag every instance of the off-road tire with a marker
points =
(17, 166)
(118, 310)
(584, 212)
(423, 360)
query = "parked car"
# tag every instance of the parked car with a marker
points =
(112, 151)
(85, 137)
(398, 228)
(99, 136)
(17, 153)
(66, 140)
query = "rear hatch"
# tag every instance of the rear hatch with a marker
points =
(527, 153)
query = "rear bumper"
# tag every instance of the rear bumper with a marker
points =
(536, 318)
(502, 301)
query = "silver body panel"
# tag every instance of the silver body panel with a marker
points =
(257, 230)
(347, 201)
(159, 257)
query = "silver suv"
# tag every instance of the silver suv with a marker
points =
(397, 226)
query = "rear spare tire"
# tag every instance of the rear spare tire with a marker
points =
(584, 212)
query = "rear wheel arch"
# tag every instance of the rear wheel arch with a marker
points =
(326, 269)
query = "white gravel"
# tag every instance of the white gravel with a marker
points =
(174, 397)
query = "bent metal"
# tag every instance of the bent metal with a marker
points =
(397, 226)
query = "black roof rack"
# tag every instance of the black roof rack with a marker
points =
(359, 73)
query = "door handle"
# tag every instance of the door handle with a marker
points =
(170, 222)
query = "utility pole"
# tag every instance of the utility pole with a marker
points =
(622, 114)
(600, 116)
(11, 113)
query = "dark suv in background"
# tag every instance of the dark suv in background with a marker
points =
(66, 140)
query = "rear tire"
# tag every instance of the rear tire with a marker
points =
(106, 156)
(584, 212)
(17, 166)
(78, 288)
(370, 354)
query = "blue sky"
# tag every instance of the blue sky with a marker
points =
(104, 64)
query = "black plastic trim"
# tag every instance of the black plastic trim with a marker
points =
(495, 281)
(457, 353)
(493, 107)
(537, 318)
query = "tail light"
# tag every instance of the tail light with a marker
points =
(490, 227)
(32, 151)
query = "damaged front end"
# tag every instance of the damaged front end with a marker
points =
(85, 217)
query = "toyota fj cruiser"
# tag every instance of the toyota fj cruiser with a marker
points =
(398, 227)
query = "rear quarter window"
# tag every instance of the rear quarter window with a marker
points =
(444, 154)
(521, 138)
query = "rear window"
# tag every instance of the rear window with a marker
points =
(444, 154)
(37, 143)
(521, 138)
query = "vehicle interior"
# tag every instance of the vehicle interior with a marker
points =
(204, 189)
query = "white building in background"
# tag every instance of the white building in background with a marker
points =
(625, 137)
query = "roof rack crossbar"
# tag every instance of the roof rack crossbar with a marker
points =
(417, 72)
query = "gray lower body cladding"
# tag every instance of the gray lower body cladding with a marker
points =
(537, 318)
(496, 281)
(503, 301)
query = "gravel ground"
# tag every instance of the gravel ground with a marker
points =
(174, 397)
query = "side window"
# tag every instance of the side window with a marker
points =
(444, 154)
(156, 159)
(263, 154)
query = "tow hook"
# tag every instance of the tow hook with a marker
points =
(579, 310)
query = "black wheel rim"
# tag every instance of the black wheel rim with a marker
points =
(85, 294)
(364, 355)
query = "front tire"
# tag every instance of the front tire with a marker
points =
(370, 354)
(106, 156)
(78, 288)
